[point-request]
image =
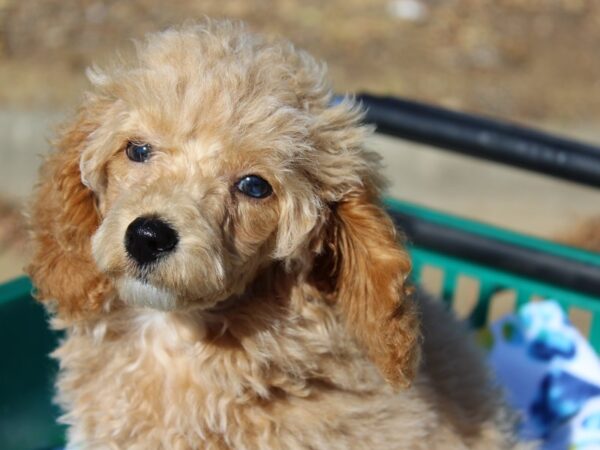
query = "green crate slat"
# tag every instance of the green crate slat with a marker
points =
(505, 280)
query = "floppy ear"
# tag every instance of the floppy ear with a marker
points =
(368, 268)
(361, 264)
(63, 219)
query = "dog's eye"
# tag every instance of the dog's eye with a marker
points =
(138, 152)
(254, 186)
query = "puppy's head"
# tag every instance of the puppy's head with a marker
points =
(211, 156)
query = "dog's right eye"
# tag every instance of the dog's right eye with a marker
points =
(138, 152)
(254, 186)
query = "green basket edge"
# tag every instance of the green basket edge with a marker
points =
(15, 289)
(487, 230)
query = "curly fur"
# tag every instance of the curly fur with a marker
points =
(278, 323)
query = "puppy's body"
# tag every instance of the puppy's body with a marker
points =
(209, 234)
(295, 380)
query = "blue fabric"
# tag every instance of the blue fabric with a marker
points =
(550, 374)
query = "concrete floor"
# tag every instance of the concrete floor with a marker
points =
(503, 196)
(511, 198)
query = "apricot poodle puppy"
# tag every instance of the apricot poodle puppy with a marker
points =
(209, 235)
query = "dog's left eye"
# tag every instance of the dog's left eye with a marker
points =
(138, 152)
(254, 186)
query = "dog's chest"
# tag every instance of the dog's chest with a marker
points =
(151, 385)
(165, 383)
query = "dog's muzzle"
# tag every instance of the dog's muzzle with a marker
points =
(148, 239)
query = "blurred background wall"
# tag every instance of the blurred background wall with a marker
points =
(530, 61)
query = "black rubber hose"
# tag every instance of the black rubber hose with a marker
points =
(484, 138)
(530, 263)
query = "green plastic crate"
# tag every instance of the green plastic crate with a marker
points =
(28, 419)
(27, 416)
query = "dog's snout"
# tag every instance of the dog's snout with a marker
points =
(149, 238)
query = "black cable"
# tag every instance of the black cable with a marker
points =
(517, 259)
(484, 138)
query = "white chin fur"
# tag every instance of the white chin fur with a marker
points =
(135, 292)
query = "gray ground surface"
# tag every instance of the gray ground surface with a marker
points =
(511, 198)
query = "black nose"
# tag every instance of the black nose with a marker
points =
(149, 238)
